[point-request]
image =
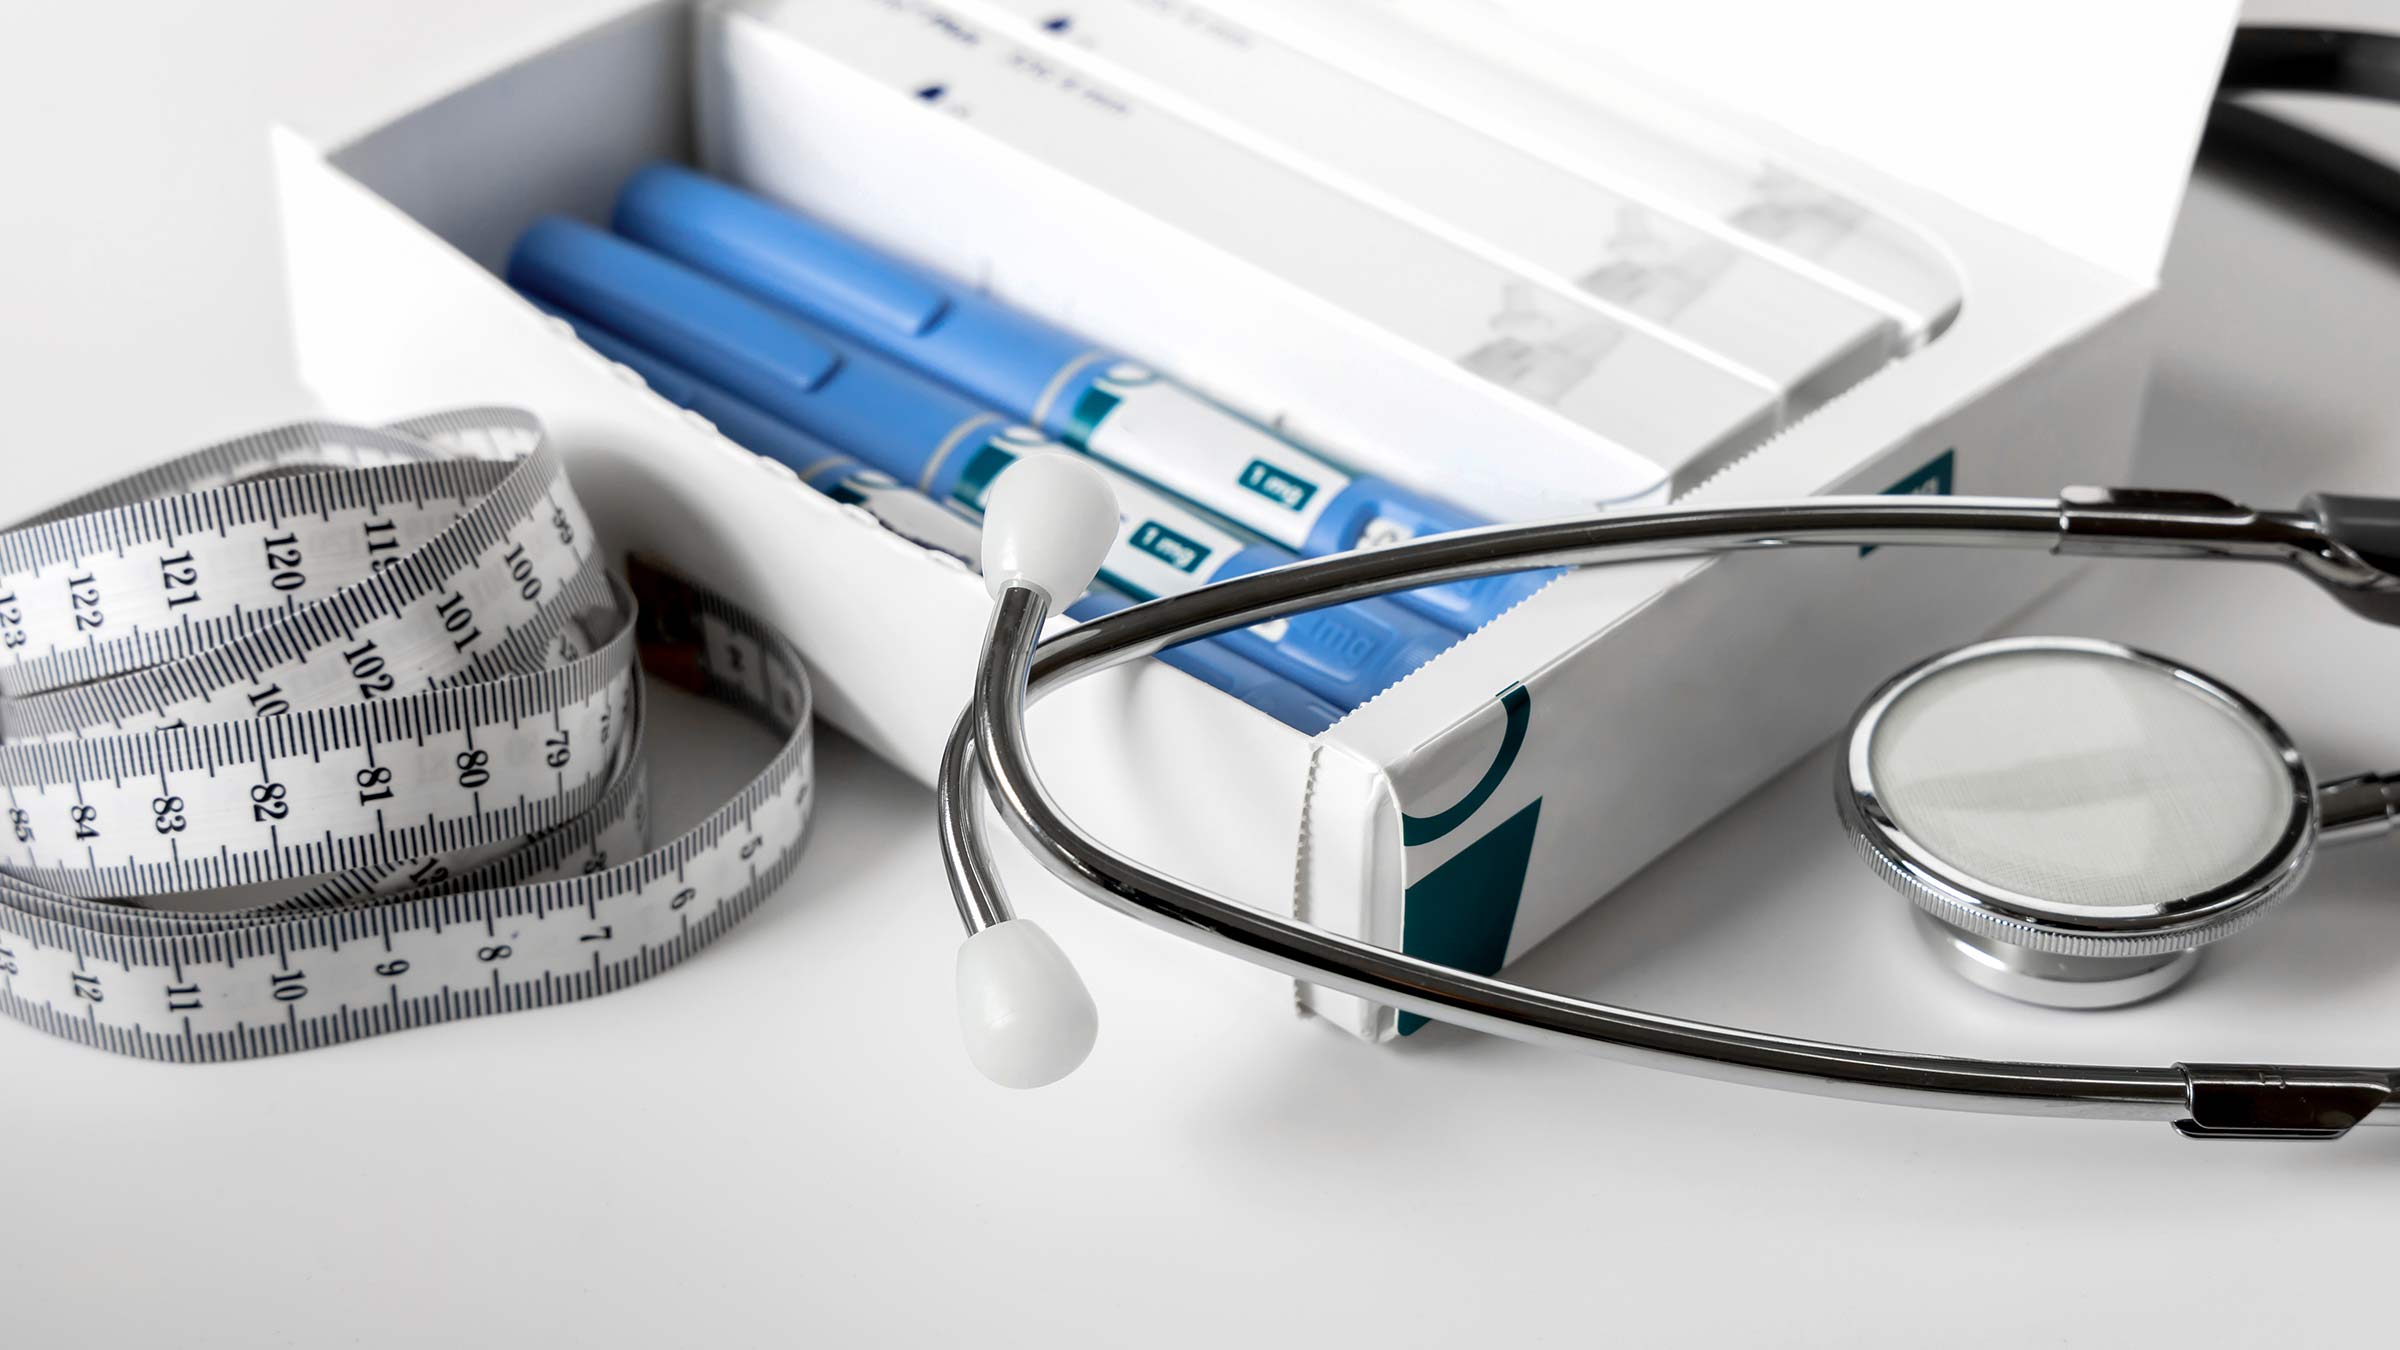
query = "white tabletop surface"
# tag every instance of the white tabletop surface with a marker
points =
(782, 1142)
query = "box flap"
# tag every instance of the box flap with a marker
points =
(2072, 121)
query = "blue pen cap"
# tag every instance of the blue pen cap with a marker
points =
(1346, 653)
(1376, 506)
(1219, 667)
(1007, 359)
(895, 420)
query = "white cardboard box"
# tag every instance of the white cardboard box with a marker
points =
(1643, 699)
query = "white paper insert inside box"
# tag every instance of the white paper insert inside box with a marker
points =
(1469, 810)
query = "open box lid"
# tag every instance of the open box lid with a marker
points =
(2071, 121)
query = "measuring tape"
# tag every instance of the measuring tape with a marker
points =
(331, 731)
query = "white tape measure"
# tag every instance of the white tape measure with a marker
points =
(332, 731)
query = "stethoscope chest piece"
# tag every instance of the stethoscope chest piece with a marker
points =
(2074, 820)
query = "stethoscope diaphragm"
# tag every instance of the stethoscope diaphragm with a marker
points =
(2074, 820)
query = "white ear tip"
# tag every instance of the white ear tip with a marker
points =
(1026, 1017)
(1049, 519)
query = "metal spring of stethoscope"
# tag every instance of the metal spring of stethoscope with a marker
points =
(1028, 1019)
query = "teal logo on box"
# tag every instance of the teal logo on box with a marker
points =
(1461, 913)
(1938, 478)
(1285, 489)
(1180, 552)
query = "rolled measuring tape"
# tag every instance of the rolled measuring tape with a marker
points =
(332, 731)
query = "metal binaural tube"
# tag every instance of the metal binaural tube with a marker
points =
(1008, 643)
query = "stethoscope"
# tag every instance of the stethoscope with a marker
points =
(2076, 860)
(1028, 1019)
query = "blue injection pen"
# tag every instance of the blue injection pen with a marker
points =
(902, 510)
(920, 520)
(1084, 395)
(950, 449)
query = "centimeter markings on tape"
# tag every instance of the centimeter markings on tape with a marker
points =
(250, 572)
(371, 723)
(314, 791)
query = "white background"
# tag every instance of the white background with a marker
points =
(782, 1142)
